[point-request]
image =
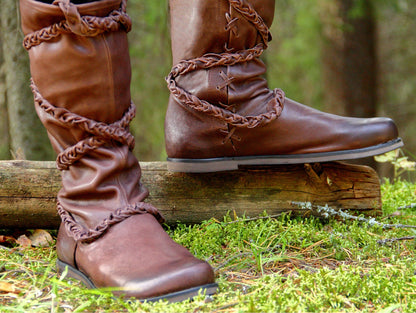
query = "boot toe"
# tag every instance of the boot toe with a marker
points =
(386, 129)
(370, 132)
(183, 280)
(140, 260)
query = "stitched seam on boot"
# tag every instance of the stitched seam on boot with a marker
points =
(123, 193)
(110, 77)
(110, 72)
(231, 30)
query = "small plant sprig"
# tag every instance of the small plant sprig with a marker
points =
(399, 161)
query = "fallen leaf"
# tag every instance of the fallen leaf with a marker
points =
(7, 288)
(41, 238)
(24, 242)
(7, 239)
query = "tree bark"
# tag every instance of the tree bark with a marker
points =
(28, 139)
(349, 58)
(4, 127)
(28, 191)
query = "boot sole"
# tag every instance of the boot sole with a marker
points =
(233, 163)
(208, 290)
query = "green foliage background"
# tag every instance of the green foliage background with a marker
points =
(294, 60)
(151, 62)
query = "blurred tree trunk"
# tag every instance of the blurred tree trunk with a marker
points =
(27, 137)
(349, 58)
(4, 128)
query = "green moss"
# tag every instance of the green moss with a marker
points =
(266, 265)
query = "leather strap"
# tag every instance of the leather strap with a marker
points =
(89, 26)
(207, 61)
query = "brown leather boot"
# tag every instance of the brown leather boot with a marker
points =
(81, 75)
(221, 113)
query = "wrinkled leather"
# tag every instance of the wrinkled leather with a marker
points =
(215, 27)
(90, 76)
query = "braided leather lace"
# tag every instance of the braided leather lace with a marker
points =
(100, 133)
(211, 60)
(90, 26)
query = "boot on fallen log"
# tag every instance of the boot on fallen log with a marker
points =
(221, 113)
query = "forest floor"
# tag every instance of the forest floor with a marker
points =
(283, 264)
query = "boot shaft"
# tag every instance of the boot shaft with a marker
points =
(81, 73)
(216, 48)
(199, 27)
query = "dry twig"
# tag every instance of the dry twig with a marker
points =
(392, 240)
(326, 212)
(409, 206)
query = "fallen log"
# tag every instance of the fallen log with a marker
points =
(28, 190)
